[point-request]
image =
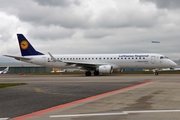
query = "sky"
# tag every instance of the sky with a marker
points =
(91, 26)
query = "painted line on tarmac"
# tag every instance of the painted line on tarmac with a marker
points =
(39, 90)
(80, 101)
(117, 113)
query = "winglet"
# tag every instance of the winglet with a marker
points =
(53, 58)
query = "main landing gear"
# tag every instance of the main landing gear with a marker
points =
(88, 73)
(96, 73)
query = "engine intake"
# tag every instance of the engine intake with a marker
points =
(105, 69)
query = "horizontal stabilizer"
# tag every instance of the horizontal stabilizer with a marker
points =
(17, 57)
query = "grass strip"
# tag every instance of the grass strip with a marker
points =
(4, 85)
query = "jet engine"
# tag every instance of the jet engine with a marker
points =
(105, 69)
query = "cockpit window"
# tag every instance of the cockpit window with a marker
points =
(161, 57)
(164, 57)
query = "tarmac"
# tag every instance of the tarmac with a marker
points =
(76, 97)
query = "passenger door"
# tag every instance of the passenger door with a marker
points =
(153, 59)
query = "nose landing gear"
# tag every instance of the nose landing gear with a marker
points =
(155, 72)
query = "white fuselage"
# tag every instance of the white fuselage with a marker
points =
(117, 61)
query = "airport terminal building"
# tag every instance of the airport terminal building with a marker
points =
(18, 67)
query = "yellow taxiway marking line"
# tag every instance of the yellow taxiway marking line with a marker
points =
(41, 91)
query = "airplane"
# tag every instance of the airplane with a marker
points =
(4, 71)
(96, 63)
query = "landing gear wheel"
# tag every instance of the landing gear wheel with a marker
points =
(88, 73)
(156, 73)
(96, 73)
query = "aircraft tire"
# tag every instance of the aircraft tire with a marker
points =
(88, 73)
(96, 73)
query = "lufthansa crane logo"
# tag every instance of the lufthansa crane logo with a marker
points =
(24, 44)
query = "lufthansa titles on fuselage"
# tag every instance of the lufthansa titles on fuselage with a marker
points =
(144, 56)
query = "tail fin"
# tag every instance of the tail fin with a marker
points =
(25, 47)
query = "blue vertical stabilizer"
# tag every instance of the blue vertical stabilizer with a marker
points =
(25, 47)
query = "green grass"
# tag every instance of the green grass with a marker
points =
(4, 85)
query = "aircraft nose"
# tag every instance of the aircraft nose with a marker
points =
(173, 64)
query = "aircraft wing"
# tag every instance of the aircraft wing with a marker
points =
(87, 64)
(80, 64)
(17, 57)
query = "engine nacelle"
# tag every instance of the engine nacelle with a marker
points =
(105, 69)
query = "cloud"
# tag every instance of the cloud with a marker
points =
(97, 33)
(121, 15)
(78, 26)
(62, 3)
(165, 4)
(39, 15)
(50, 32)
